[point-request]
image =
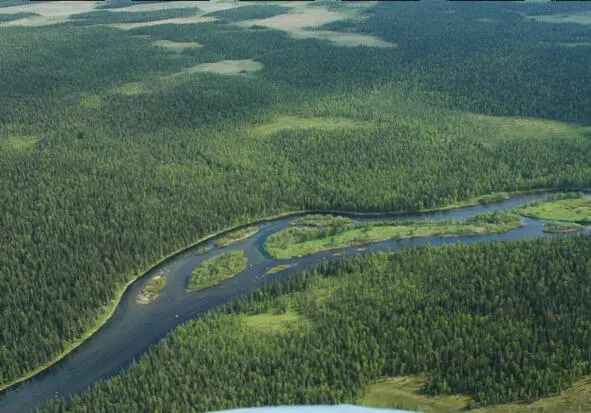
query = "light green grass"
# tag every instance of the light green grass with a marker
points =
(278, 268)
(152, 289)
(298, 241)
(130, 89)
(507, 127)
(217, 269)
(176, 46)
(272, 323)
(403, 393)
(284, 123)
(236, 236)
(91, 102)
(21, 143)
(574, 210)
(222, 67)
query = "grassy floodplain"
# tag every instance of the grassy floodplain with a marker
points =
(304, 240)
(237, 235)
(572, 207)
(217, 269)
(152, 289)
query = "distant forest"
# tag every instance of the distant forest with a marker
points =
(110, 159)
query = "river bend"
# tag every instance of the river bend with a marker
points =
(133, 328)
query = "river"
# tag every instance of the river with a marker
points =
(133, 328)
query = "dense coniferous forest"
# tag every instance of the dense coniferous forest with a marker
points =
(498, 322)
(114, 153)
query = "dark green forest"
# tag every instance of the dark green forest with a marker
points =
(110, 159)
(498, 322)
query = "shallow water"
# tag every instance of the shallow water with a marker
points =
(134, 328)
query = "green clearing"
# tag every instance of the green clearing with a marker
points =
(152, 289)
(237, 235)
(301, 240)
(130, 89)
(404, 392)
(291, 123)
(271, 322)
(559, 226)
(21, 142)
(574, 208)
(278, 268)
(91, 102)
(176, 46)
(509, 127)
(222, 67)
(217, 269)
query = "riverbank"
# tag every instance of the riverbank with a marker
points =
(105, 315)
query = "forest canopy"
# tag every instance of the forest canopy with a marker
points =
(115, 153)
(496, 322)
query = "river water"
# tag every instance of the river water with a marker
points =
(134, 328)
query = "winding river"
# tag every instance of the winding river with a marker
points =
(133, 328)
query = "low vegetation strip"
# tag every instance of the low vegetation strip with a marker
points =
(320, 220)
(217, 269)
(559, 226)
(304, 240)
(573, 207)
(237, 235)
(278, 268)
(152, 289)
